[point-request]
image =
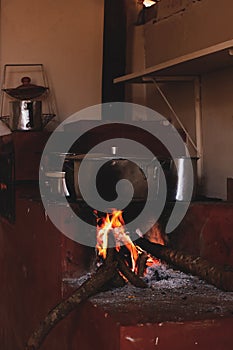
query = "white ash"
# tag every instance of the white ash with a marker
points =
(77, 281)
(161, 275)
(161, 278)
(172, 296)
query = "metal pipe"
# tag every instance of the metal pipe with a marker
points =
(199, 136)
(175, 115)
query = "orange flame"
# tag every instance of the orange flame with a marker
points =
(115, 224)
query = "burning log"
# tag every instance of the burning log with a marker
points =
(106, 276)
(129, 274)
(117, 281)
(112, 273)
(215, 275)
(90, 287)
(141, 263)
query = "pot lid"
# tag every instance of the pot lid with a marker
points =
(26, 93)
(102, 156)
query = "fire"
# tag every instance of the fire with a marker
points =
(114, 223)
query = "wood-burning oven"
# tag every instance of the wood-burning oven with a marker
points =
(175, 311)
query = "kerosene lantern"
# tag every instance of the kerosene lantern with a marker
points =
(25, 102)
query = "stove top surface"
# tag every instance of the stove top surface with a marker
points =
(171, 296)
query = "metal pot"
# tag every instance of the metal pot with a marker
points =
(26, 115)
(178, 173)
(56, 184)
(112, 171)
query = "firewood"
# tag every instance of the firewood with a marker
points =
(118, 281)
(129, 274)
(59, 312)
(141, 263)
(107, 275)
(195, 265)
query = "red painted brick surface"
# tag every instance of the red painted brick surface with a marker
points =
(33, 261)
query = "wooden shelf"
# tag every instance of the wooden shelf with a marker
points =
(212, 58)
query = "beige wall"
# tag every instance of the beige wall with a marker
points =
(181, 97)
(181, 28)
(202, 24)
(217, 107)
(136, 62)
(135, 53)
(66, 36)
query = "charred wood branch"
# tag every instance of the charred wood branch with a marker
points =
(130, 275)
(212, 274)
(141, 263)
(108, 275)
(59, 312)
(118, 281)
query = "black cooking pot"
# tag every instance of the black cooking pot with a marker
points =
(142, 174)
